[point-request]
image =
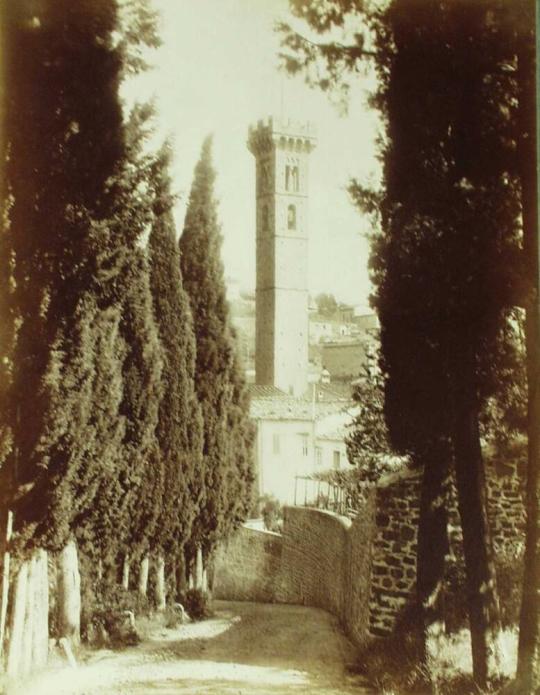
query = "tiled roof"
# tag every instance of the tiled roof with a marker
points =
(258, 391)
(270, 403)
(327, 392)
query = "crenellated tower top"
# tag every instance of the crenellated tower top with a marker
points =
(283, 134)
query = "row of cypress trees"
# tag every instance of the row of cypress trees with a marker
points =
(124, 429)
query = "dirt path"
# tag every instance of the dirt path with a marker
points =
(246, 648)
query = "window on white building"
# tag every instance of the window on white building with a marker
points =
(318, 456)
(305, 444)
(337, 459)
(275, 444)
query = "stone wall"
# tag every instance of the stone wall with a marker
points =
(315, 557)
(506, 508)
(321, 560)
(248, 567)
(362, 570)
(393, 576)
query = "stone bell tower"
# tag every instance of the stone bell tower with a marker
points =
(281, 150)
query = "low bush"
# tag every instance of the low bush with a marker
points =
(105, 607)
(393, 665)
(197, 604)
(271, 512)
(509, 569)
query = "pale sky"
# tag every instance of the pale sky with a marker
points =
(217, 72)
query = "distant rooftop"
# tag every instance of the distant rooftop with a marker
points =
(271, 403)
(258, 391)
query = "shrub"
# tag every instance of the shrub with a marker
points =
(509, 569)
(197, 604)
(509, 584)
(271, 512)
(391, 663)
(104, 603)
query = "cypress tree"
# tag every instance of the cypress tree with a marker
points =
(68, 253)
(218, 380)
(179, 431)
(241, 476)
(61, 99)
(142, 370)
(447, 261)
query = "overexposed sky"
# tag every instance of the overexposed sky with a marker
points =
(217, 72)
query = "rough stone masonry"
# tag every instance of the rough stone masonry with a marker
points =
(363, 570)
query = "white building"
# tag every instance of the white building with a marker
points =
(296, 437)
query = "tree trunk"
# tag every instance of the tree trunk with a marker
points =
(69, 594)
(181, 581)
(161, 597)
(125, 572)
(5, 582)
(528, 668)
(483, 604)
(40, 638)
(204, 580)
(16, 631)
(28, 629)
(199, 568)
(143, 575)
(433, 544)
(29, 626)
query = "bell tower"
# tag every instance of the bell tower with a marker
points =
(281, 150)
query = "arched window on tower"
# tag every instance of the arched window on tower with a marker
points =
(295, 179)
(291, 217)
(265, 219)
(287, 177)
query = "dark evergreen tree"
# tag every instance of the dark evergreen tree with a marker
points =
(218, 382)
(179, 430)
(142, 370)
(240, 502)
(64, 128)
(109, 527)
(446, 263)
(519, 31)
(73, 218)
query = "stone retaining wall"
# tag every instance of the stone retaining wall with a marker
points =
(393, 575)
(364, 570)
(321, 560)
(248, 567)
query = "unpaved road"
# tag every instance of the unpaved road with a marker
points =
(245, 648)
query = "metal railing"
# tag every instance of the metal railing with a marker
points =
(321, 494)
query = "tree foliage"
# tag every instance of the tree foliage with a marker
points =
(219, 383)
(179, 430)
(368, 442)
(80, 343)
(62, 261)
(326, 304)
(447, 259)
